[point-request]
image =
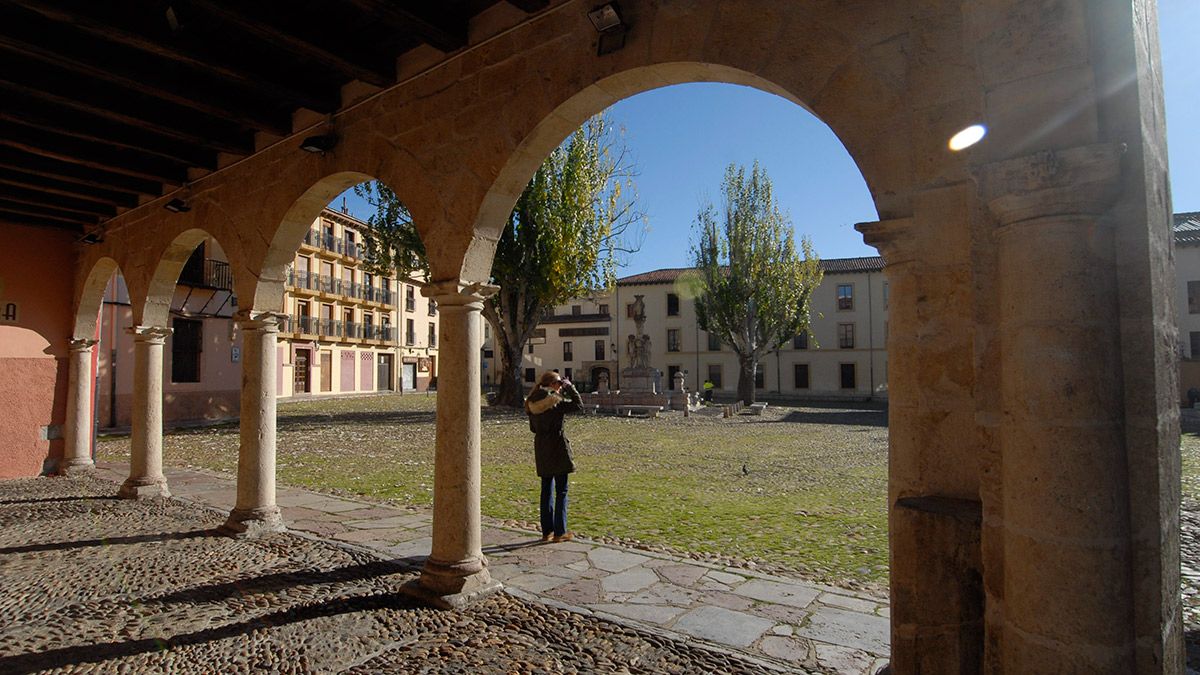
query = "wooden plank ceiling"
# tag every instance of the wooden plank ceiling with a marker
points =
(104, 103)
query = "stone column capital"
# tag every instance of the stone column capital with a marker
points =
(1083, 180)
(155, 335)
(894, 238)
(81, 344)
(454, 292)
(267, 322)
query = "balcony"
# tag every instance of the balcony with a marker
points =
(302, 280)
(305, 324)
(329, 328)
(352, 330)
(386, 334)
(386, 296)
(432, 308)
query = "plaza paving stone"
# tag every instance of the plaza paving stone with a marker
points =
(785, 622)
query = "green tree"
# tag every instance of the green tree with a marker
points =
(569, 231)
(752, 285)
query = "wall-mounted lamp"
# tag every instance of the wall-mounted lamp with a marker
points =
(94, 237)
(177, 205)
(614, 347)
(607, 21)
(321, 143)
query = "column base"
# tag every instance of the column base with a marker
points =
(76, 467)
(249, 523)
(453, 585)
(144, 488)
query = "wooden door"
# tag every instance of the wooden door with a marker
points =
(326, 371)
(300, 375)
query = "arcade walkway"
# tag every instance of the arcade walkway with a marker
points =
(107, 583)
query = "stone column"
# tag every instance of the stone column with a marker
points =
(456, 572)
(145, 438)
(255, 511)
(937, 613)
(77, 456)
(1068, 575)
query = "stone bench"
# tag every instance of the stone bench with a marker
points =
(639, 410)
(757, 408)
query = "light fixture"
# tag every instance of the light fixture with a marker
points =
(967, 137)
(321, 143)
(177, 205)
(607, 21)
(93, 237)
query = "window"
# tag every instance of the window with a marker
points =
(672, 304)
(567, 373)
(599, 350)
(800, 341)
(846, 336)
(801, 375)
(433, 335)
(671, 370)
(1193, 297)
(629, 310)
(410, 298)
(886, 293)
(410, 333)
(186, 343)
(758, 378)
(1195, 340)
(714, 342)
(603, 309)
(530, 374)
(845, 296)
(568, 352)
(530, 347)
(672, 339)
(576, 310)
(848, 379)
(714, 374)
(432, 307)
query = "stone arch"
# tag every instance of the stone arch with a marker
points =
(296, 221)
(569, 115)
(156, 305)
(91, 297)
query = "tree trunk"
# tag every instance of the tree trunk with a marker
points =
(511, 392)
(746, 368)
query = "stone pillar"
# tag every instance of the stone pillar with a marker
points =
(145, 438)
(937, 605)
(255, 511)
(1068, 596)
(77, 456)
(456, 572)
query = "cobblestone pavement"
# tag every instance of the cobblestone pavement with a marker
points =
(89, 583)
(777, 620)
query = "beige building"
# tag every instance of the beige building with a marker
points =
(343, 331)
(1187, 306)
(843, 356)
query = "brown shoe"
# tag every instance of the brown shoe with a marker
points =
(547, 536)
(566, 536)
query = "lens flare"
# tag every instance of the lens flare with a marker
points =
(967, 137)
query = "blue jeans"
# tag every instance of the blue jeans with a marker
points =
(554, 504)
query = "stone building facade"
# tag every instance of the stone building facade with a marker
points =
(1034, 466)
(343, 331)
(1187, 305)
(843, 356)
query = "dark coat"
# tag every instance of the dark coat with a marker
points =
(551, 449)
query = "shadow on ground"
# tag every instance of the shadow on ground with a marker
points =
(857, 418)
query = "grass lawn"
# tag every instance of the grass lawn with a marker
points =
(803, 489)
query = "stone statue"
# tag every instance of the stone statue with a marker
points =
(639, 311)
(644, 352)
(631, 350)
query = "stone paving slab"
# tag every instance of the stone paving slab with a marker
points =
(803, 625)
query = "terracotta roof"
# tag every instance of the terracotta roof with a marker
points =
(830, 266)
(1187, 228)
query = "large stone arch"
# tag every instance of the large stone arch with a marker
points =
(154, 309)
(90, 297)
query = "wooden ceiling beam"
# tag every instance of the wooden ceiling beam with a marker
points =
(67, 188)
(22, 195)
(447, 33)
(153, 38)
(530, 6)
(90, 154)
(31, 210)
(33, 37)
(25, 162)
(33, 112)
(262, 28)
(40, 221)
(133, 111)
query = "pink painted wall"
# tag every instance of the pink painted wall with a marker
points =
(347, 370)
(37, 274)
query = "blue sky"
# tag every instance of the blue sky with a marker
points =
(683, 137)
